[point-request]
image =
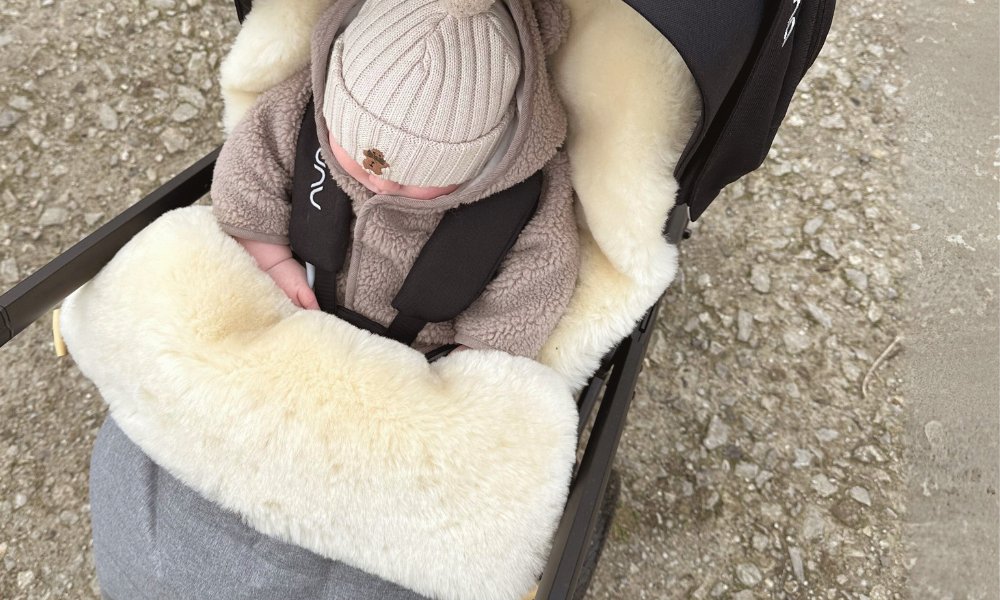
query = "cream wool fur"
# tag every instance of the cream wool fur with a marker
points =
(447, 478)
(205, 385)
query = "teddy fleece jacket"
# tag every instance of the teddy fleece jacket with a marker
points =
(251, 193)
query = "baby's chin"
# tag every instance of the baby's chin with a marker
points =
(386, 187)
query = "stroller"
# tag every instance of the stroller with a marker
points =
(683, 147)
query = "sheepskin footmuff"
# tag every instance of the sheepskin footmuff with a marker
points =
(446, 478)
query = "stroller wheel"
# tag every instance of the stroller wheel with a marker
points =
(601, 529)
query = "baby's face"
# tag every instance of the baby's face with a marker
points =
(384, 186)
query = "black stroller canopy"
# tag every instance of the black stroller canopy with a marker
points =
(747, 57)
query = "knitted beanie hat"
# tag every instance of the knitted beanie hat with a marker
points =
(420, 92)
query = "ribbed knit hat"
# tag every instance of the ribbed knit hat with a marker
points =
(420, 92)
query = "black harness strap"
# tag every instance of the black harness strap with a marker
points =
(321, 212)
(455, 265)
(462, 256)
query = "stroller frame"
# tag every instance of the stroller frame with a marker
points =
(732, 100)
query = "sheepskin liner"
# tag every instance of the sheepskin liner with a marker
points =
(447, 478)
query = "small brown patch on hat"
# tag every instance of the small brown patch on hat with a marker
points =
(374, 161)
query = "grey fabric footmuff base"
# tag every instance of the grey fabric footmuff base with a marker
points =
(153, 537)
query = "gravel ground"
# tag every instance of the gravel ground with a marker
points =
(764, 452)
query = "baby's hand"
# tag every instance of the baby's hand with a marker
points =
(276, 260)
(291, 278)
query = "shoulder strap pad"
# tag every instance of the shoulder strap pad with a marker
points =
(319, 229)
(465, 252)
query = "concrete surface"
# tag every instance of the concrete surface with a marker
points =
(950, 196)
(792, 386)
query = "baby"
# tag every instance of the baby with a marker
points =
(421, 106)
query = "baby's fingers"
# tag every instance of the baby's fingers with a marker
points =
(307, 299)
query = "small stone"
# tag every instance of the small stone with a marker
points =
(9, 272)
(796, 340)
(812, 225)
(881, 275)
(849, 513)
(744, 325)
(858, 279)
(3, 550)
(813, 523)
(819, 315)
(748, 574)
(874, 313)
(68, 517)
(746, 470)
(760, 279)
(162, 4)
(53, 215)
(861, 495)
(107, 117)
(8, 118)
(934, 431)
(183, 113)
(868, 453)
(743, 595)
(92, 217)
(823, 486)
(829, 248)
(197, 64)
(850, 370)
(795, 555)
(20, 500)
(760, 542)
(174, 140)
(803, 458)
(21, 103)
(191, 96)
(880, 593)
(718, 433)
(719, 589)
(25, 578)
(827, 435)
(833, 122)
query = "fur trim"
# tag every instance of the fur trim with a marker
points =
(625, 194)
(272, 45)
(447, 478)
